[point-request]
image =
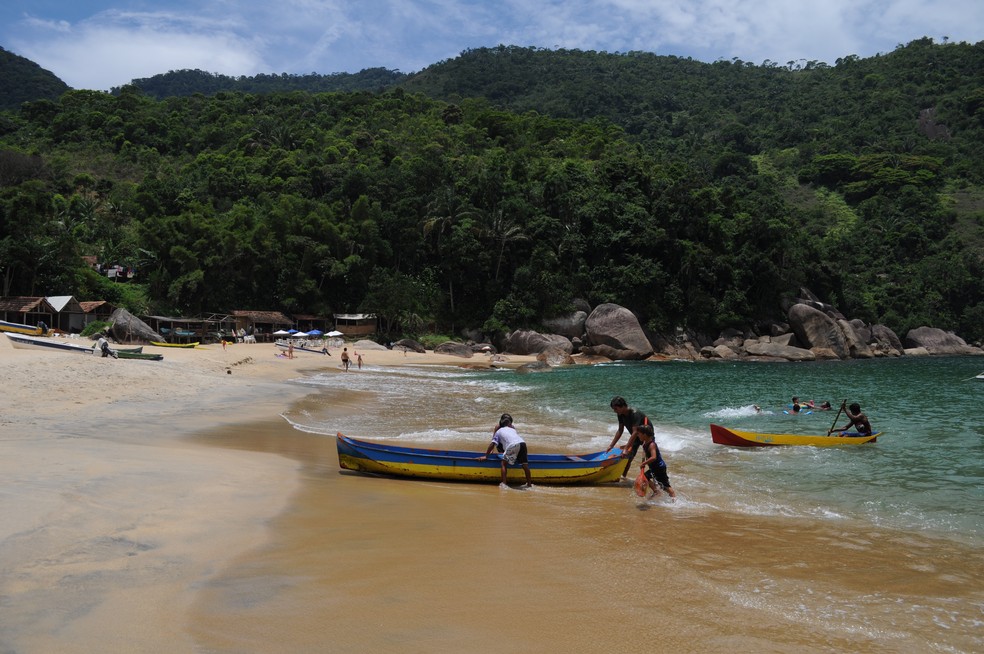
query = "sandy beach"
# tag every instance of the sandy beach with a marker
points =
(170, 507)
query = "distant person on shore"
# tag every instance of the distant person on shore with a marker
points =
(290, 349)
(628, 418)
(358, 360)
(656, 474)
(856, 419)
(345, 359)
(507, 440)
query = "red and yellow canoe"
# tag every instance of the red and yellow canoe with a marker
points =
(740, 438)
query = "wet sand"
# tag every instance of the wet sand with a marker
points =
(171, 509)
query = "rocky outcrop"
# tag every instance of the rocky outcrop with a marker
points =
(555, 356)
(938, 342)
(815, 329)
(857, 346)
(771, 349)
(884, 342)
(366, 345)
(127, 328)
(409, 344)
(454, 349)
(524, 341)
(718, 352)
(616, 329)
(570, 326)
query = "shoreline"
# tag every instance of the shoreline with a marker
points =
(147, 514)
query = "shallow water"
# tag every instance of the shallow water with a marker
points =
(874, 548)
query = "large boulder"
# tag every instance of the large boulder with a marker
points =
(525, 341)
(454, 349)
(815, 329)
(884, 341)
(366, 344)
(938, 342)
(409, 344)
(775, 350)
(616, 328)
(127, 328)
(555, 357)
(571, 325)
(857, 345)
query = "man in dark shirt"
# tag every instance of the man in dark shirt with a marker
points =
(628, 418)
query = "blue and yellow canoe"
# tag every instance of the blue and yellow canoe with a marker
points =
(453, 465)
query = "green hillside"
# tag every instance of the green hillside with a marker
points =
(494, 189)
(22, 80)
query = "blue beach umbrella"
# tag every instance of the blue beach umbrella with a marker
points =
(315, 332)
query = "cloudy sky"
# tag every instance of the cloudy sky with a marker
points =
(99, 44)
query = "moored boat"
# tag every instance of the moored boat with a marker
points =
(24, 342)
(19, 328)
(454, 465)
(741, 438)
(298, 348)
(162, 344)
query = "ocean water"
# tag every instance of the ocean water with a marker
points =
(925, 475)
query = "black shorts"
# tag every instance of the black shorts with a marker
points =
(659, 476)
(522, 457)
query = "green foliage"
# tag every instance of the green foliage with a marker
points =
(95, 327)
(492, 189)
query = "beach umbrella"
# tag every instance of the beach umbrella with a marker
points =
(299, 335)
(315, 332)
(292, 331)
(281, 332)
(334, 334)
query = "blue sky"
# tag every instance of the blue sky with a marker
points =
(99, 44)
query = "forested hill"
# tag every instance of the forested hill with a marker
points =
(22, 80)
(712, 193)
(178, 83)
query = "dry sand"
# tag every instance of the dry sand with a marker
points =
(111, 518)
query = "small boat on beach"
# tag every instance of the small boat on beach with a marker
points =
(19, 328)
(740, 438)
(187, 345)
(453, 465)
(298, 348)
(23, 342)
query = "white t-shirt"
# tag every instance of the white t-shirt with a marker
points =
(506, 436)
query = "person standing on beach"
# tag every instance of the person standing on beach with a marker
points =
(358, 360)
(628, 418)
(345, 359)
(290, 349)
(656, 474)
(508, 441)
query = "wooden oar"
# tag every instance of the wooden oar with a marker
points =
(834, 424)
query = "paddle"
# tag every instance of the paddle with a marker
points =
(834, 424)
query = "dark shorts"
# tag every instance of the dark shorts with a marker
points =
(522, 457)
(658, 475)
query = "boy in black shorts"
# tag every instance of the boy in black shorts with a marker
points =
(656, 474)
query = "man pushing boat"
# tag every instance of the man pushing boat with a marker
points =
(513, 448)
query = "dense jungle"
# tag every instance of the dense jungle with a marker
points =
(492, 190)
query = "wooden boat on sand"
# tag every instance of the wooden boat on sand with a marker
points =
(187, 345)
(24, 342)
(19, 328)
(127, 354)
(740, 438)
(453, 465)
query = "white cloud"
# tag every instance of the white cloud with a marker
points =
(245, 37)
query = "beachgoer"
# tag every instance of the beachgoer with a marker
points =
(825, 406)
(345, 358)
(656, 474)
(628, 418)
(324, 350)
(507, 440)
(358, 360)
(855, 418)
(290, 350)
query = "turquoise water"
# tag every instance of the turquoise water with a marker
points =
(926, 474)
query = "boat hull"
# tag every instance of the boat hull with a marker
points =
(740, 438)
(24, 342)
(126, 354)
(187, 345)
(297, 348)
(18, 328)
(452, 465)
